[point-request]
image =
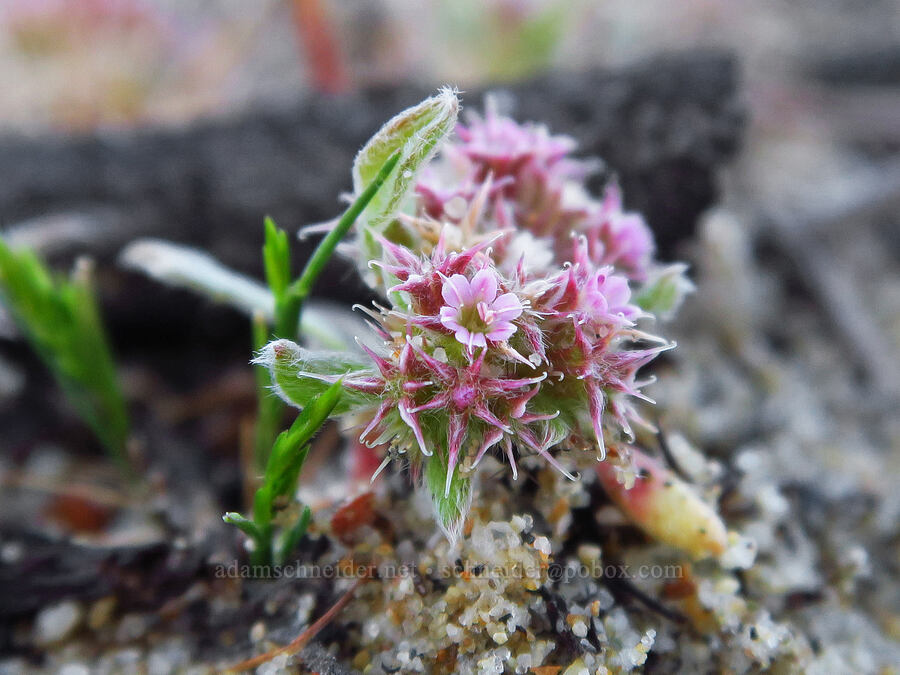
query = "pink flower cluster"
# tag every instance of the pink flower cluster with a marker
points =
(512, 316)
(535, 187)
(475, 358)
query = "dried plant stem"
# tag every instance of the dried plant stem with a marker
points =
(304, 638)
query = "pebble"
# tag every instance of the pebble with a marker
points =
(122, 662)
(13, 667)
(258, 632)
(740, 554)
(131, 627)
(74, 669)
(11, 552)
(579, 629)
(588, 554)
(47, 461)
(277, 666)
(577, 668)
(57, 622)
(542, 544)
(305, 606)
(101, 612)
(168, 658)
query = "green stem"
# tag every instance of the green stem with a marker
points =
(270, 409)
(287, 316)
(289, 304)
(262, 547)
(303, 286)
(293, 536)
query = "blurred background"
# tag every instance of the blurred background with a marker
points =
(122, 118)
(761, 138)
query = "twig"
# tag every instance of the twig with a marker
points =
(666, 450)
(303, 639)
(651, 603)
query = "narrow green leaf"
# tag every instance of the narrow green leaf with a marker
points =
(276, 258)
(290, 452)
(248, 527)
(303, 286)
(299, 375)
(450, 507)
(62, 323)
(293, 536)
(314, 415)
(285, 462)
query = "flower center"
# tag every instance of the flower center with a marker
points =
(476, 318)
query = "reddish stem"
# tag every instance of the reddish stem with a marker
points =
(316, 37)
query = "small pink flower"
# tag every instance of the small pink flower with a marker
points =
(500, 146)
(474, 311)
(619, 238)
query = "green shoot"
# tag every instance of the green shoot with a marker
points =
(289, 298)
(270, 409)
(280, 482)
(277, 263)
(61, 321)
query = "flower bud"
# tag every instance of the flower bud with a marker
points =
(666, 508)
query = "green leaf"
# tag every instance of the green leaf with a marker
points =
(299, 375)
(62, 323)
(280, 480)
(314, 415)
(450, 507)
(664, 292)
(277, 262)
(293, 536)
(276, 258)
(416, 134)
(285, 465)
(248, 527)
(290, 451)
